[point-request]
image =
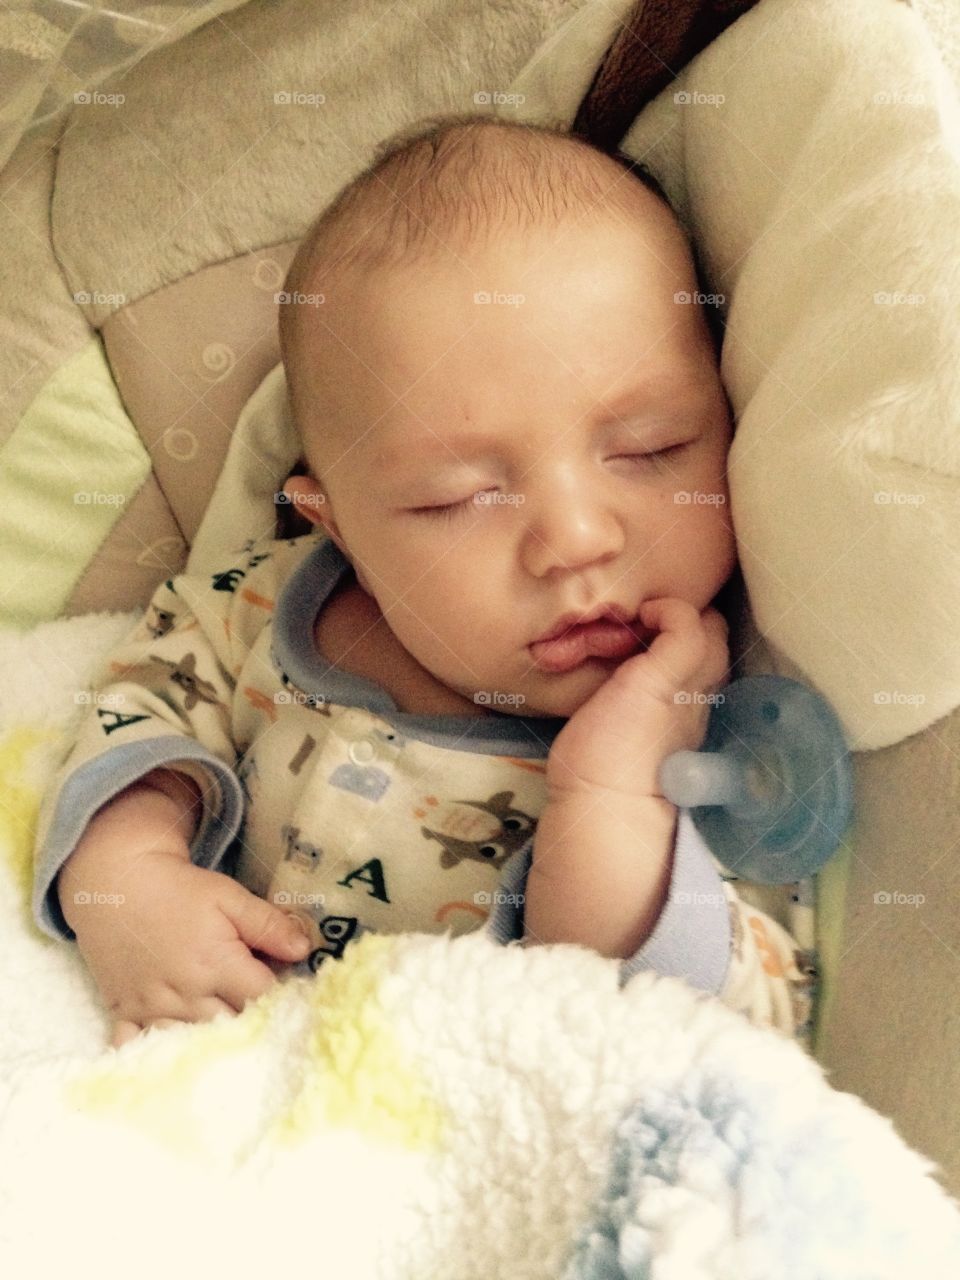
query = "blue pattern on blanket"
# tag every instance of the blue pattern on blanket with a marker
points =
(705, 1167)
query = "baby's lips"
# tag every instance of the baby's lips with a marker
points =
(604, 638)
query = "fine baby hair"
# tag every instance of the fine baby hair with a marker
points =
(453, 181)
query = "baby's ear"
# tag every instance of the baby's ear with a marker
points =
(306, 500)
(306, 496)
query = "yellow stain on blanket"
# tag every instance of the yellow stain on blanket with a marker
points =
(154, 1091)
(354, 1072)
(350, 1072)
(21, 802)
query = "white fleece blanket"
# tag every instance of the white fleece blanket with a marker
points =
(427, 1107)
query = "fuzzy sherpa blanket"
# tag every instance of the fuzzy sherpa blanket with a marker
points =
(427, 1107)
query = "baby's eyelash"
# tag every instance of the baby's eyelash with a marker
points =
(452, 509)
(658, 453)
(445, 513)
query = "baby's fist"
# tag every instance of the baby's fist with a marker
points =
(654, 704)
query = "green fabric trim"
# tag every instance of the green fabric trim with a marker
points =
(831, 897)
(75, 438)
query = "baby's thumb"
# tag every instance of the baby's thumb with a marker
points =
(268, 928)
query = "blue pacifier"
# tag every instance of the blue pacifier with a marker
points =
(771, 789)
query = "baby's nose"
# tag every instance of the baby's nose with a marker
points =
(573, 537)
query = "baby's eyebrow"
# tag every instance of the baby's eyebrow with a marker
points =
(468, 444)
(472, 444)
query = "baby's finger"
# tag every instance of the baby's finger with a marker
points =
(211, 1007)
(124, 1031)
(263, 926)
(204, 1009)
(244, 980)
(678, 650)
(716, 671)
(716, 622)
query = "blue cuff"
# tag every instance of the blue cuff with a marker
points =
(692, 938)
(505, 922)
(98, 781)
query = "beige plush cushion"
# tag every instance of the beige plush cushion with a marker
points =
(187, 358)
(168, 213)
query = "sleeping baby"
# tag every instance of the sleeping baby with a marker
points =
(444, 707)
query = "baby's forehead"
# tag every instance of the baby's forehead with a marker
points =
(376, 306)
(647, 249)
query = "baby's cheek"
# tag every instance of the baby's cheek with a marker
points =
(727, 541)
(478, 662)
(705, 553)
(721, 525)
(449, 648)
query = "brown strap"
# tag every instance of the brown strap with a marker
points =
(655, 43)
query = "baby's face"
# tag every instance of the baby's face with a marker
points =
(581, 400)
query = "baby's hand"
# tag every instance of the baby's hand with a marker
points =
(178, 947)
(652, 706)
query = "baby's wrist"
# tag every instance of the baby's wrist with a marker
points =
(600, 870)
(648, 801)
(610, 807)
(141, 819)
